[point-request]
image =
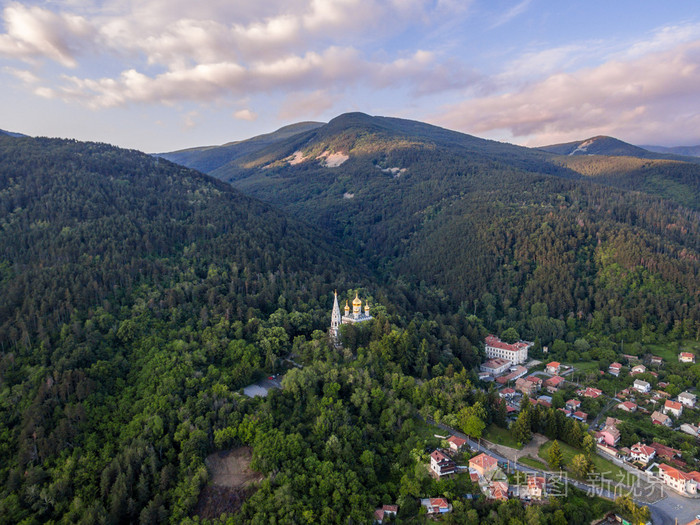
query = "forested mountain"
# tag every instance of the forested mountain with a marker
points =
(139, 297)
(209, 158)
(130, 287)
(11, 133)
(496, 226)
(600, 145)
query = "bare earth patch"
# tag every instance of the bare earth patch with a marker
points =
(296, 158)
(231, 480)
(333, 160)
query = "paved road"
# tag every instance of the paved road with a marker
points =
(663, 512)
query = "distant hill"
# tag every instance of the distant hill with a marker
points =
(610, 146)
(688, 151)
(209, 158)
(477, 217)
(11, 133)
(600, 145)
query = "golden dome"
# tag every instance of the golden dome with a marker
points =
(346, 305)
(356, 301)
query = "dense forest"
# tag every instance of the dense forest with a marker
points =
(139, 297)
(499, 227)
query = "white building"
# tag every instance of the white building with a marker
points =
(516, 353)
(641, 386)
(687, 399)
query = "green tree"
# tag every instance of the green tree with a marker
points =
(581, 465)
(555, 456)
(510, 335)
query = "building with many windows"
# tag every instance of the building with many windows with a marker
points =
(516, 353)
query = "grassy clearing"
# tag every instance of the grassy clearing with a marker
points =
(534, 463)
(586, 366)
(670, 351)
(500, 436)
(606, 468)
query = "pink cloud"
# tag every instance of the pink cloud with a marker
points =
(628, 99)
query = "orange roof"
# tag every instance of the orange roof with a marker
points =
(555, 364)
(456, 440)
(484, 461)
(673, 405)
(439, 502)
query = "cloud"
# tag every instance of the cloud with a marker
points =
(33, 32)
(335, 68)
(628, 99)
(245, 114)
(512, 13)
(306, 104)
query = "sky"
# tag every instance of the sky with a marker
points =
(162, 75)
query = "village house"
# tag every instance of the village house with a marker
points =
(660, 419)
(507, 393)
(441, 464)
(627, 406)
(683, 482)
(573, 404)
(436, 505)
(687, 399)
(545, 401)
(515, 373)
(656, 360)
(674, 407)
(615, 369)
(483, 464)
(515, 353)
(665, 452)
(526, 387)
(642, 453)
(495, 367)
(497, 491)
(581, 416)
(686, 357)
(456, 443)
(553, 383)
(610, 435)
(382, 513)
(638, 369)
(590, 392)
(553, 368)
(536, 486)
(641, 386)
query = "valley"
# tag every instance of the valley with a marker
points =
(140, 298)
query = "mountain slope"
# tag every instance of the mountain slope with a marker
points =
(466, 214)
(137, 297)
(209, 158)
(600, 145)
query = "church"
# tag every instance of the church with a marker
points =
(357, 316)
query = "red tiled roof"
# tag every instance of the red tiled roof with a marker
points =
(638, 448)
(484, 461)
(492, 340)
(581, 415)
(458, 441)
(439, 502)
(673, 405)
(554, 364)
(508, 391)
(390, 508)
(554, 381)
(615, 365)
